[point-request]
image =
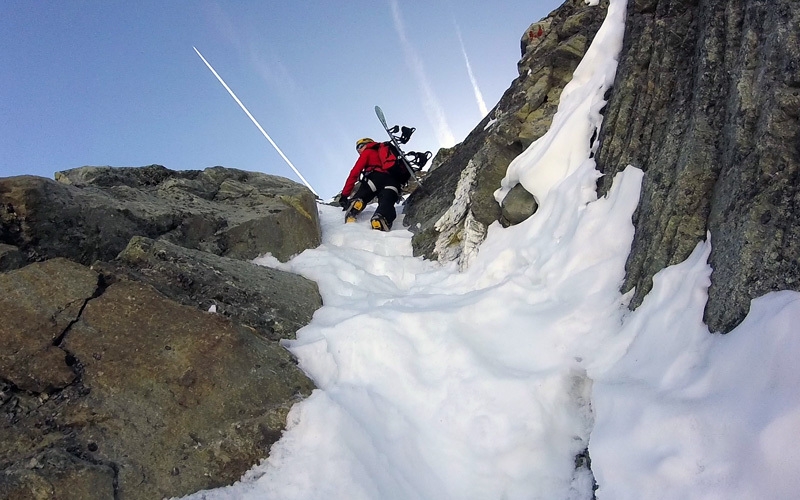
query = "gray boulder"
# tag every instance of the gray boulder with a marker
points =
(92, 212)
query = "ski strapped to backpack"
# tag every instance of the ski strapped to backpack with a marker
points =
(417, 160)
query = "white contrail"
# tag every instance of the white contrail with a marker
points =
(433, 109)
(475, 88)
(288, 162)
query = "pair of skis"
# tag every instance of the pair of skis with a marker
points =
(419, 159)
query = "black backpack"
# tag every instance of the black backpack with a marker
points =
(391, 162)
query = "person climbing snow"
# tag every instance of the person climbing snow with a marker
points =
(381, 176)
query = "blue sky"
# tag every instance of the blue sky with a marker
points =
(118, 83)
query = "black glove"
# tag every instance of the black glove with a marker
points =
(344, 202)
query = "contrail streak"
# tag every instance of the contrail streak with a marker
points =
(475, 88)
(288, 162)
(432, 108)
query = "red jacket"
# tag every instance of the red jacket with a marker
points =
(368, 160)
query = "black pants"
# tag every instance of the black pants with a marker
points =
(386, 188)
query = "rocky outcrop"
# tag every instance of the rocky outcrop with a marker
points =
(131, 390)
(706, 101)
(92, 212)
(551, 50)
(275, 303)
(39, 303)
(157, 371)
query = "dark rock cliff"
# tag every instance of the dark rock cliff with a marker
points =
(92, 212)
(706, 102)
(157, 371)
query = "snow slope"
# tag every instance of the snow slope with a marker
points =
(435, 383)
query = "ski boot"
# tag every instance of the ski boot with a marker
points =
(356, 206)
(379, 222)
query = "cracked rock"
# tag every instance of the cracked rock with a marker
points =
(45, 298)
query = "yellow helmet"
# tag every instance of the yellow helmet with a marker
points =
(362, 142)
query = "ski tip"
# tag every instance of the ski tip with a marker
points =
(379, 112)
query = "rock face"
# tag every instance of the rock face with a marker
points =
(115, 380)
(706, 101)
(39, 304)
(128, 385)
(208, 402)
(273, 302)
(92, 212)
(445, 224)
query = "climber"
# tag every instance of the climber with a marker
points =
(381, 176)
